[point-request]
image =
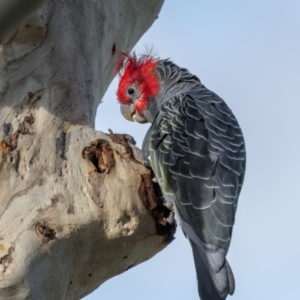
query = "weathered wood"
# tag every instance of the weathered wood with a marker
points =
(72, 211)
(12, 12)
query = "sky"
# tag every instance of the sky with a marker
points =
(248, 52)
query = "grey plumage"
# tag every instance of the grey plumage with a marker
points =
(198, 154)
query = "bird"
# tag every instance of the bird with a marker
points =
(197, 152)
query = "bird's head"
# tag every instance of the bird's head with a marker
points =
(139, 85)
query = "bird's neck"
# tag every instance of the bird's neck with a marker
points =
(174, 80)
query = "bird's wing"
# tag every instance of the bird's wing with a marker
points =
(198, 154)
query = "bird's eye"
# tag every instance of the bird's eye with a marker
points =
(130, 91)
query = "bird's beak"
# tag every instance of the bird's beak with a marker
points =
(128, 111)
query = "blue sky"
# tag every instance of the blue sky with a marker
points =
(248, 52)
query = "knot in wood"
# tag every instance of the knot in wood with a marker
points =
(152, 198)
(46, 231)
(100, 154)
(6, 260)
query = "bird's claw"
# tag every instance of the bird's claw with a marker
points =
(147, 163)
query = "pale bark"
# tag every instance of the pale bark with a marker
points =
(76, 208)
(12, 12)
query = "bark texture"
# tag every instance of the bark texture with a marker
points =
(77, 206)
(12, 12)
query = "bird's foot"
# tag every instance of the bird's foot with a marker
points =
(147, 163)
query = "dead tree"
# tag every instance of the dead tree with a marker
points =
(77, 206)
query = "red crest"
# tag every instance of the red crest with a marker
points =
(141, 72)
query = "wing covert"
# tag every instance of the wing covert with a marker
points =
(197, 151)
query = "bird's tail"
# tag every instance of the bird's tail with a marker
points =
(215, 278)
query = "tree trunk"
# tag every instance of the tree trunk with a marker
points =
(12, 12)
(77, 206)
